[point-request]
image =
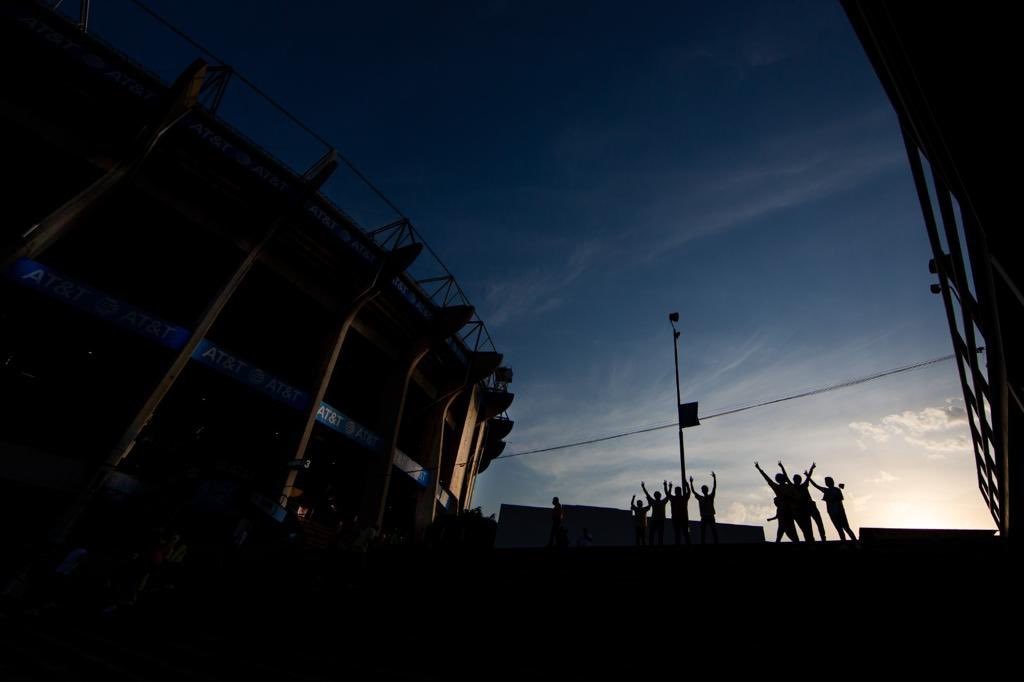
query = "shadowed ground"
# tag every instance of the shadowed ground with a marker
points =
(434, 615)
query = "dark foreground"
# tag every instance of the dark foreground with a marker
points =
(910, 606)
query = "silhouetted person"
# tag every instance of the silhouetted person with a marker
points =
(833, 498)
(786, 501)
(706, 503)
(680, 514)
(639, 520)
(812, 506)
(801, 505)
(779, 532)
(557, 517)
(657, 506)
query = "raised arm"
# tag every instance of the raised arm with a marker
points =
(770, 482)
(632, 503)
(784, 472)
(650, 500)
(808, 474)
(714, 484)
(693, 491)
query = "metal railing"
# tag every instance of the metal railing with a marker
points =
(961, 261)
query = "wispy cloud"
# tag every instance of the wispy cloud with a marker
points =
(752, 513)
(786, 172)
(868, 429)
(538, 289)
(639, 215)
(883, 478)
(737, 356)
(931, 428)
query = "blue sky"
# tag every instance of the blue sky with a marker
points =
(585, 169)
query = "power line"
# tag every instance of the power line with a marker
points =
(804, 394)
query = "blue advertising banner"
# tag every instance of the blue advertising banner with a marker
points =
(47, 281)
(412, 469)
(66, 39)
(410, 296)
(317, 212)
(258, 166)
(337, 420)
(211, 355)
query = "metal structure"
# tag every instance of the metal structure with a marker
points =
(947, 70)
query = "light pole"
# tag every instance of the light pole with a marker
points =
(673, 318)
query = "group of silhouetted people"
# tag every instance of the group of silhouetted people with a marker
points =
(679, 499)
(795, 508)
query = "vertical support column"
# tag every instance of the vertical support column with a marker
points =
(375, 494)
(181, 98)
(392, 263)
(446, 321)
(326, 373)
(467, 443)
(466, 498)
(434, 451)
(127, 440)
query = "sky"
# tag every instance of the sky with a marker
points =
(586, 168)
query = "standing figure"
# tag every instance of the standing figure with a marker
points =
(657, 507)
(706, 503)
(784, 494)
(812, 506)
(778, 533)
(680, 514)
(833, 498)
(557, 517)
(639, 520)
(801, 505)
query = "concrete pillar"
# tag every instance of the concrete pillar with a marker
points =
(126, 442)
(445, 323)
(467, 442)
(433, 453)
(474, 466)
(378, 482)
(394, 262)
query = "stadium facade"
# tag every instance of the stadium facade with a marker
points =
(193, 330)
